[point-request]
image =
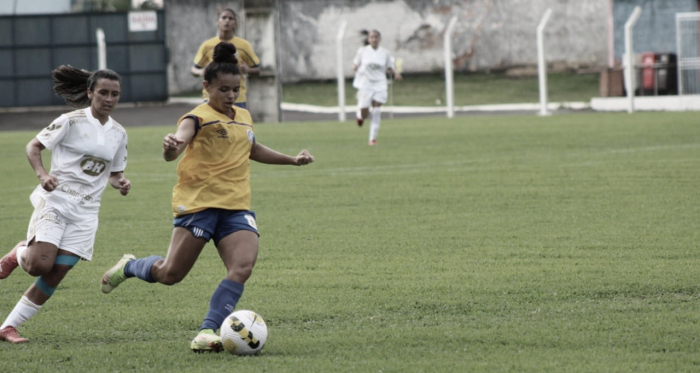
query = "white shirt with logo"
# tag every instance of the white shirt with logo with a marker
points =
(84, 153)
(372, 65)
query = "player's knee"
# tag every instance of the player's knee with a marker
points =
(36, 267)
(241, 273)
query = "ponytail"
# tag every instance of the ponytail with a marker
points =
(72, 83)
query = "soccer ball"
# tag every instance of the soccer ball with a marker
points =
(243, 333)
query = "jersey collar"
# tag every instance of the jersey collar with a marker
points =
(93, 120)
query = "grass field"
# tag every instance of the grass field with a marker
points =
(469, 89)
(477, 244)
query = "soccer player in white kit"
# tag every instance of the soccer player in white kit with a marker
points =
(371, 64)
(88, 151)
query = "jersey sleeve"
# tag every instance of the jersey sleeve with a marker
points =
(389, 61)
(55, 132)
(358, 57)
(201, 59)
(119, 161)
(248, 55)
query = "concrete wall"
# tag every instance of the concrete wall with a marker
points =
(490, 34)
(655, 31)
(188, 24)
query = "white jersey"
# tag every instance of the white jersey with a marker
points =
(84, 153)
(372, 65)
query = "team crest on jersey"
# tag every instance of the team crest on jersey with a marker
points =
(223, 133)
(251, 136)
(93, 166)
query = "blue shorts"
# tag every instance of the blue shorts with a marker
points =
(217, 223)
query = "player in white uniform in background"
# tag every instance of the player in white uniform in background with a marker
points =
(88, 151)
(371, 64)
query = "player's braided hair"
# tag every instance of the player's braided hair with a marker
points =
(72, 83)
(224, 61)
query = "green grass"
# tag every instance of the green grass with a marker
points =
(487, 243)
(469, 89)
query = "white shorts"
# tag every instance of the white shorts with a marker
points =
(366, 96)
(76, 236)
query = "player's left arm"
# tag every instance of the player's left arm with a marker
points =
(397, 75)
(116, 175)
(251, 65)
(251, 62)
(250, 70)
(393, 70)
(263, 154)
(118, 181)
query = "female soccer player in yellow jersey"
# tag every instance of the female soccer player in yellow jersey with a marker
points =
(248, 62)
(212, 196)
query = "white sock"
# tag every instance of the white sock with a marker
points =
(359, 113)
(376, 119)
(23, 311)
(20, 253)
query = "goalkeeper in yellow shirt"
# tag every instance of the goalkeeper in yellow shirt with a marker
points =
(248, 61)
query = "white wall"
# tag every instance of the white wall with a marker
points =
(489, 34)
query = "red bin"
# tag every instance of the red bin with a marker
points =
(648, 73)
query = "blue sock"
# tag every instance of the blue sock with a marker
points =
(141, 268)
(222, 303)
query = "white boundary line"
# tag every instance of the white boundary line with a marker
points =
(427, 109)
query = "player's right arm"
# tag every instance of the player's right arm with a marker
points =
(200, 61)
(357, 59)
(34, 148)
(175, 144)
(197, 71)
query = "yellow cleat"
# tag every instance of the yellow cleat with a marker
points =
(206, 341)
(115, 276)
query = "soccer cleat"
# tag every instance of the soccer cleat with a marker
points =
(373, 142)
(115, 276)
(9, 333)
(359, 122)
(206, 341)
(8, 263)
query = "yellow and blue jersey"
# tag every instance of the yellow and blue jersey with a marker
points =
(215, 169)
(244, 53)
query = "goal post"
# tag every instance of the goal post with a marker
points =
(688, 49)
(101, 49)
(542, 63)
(339, 69)
(449, 74)
(630, 68)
